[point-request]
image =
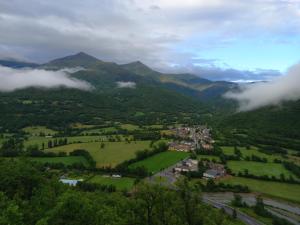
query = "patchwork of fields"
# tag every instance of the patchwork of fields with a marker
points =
(229, 150)
(111, 154)
(161, 161)
(285, 191)
(68, 160)
(259, 169)
(120, 183)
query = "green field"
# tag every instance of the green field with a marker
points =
(286, 191)
(229, 150)
(161, 161)
(68, 160)
(37, 140)
(36, 130)
(210, 157)
(258, 168)
(130, 127)
(120, 183)
(112, 154)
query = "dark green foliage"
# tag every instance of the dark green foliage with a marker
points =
(30, 196)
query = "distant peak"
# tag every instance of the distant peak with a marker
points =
(138, 63)
(83, 54)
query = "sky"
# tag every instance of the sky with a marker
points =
(236, 40)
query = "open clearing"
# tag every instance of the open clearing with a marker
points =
(229, 150)
(37, 140)
(120, 183)
(286, 191)
(259, 169)
(160, 161)
(36, 130)
(68, 160)
(112, 154)
(209, 157)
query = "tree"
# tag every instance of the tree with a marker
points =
(102, 145)
(237, 201)
(234, 214)
(9, 212)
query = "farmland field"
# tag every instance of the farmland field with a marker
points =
(120, 183)
(210, 157)
(37, 140)
(112, 154)
(259, 169)
(161, 161)
(68, 160)
(281, 190)
(36, 130)
(229, 150)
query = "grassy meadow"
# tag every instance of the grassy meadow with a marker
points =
(112, 154)
(285, 191)
(36, 130)
(229, 150)
(161, 161)
(68, 160)
(120, 183)
(259, 169)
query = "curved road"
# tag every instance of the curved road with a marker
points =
(229, 210)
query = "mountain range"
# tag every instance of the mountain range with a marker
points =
(156, 98)
(104, 75)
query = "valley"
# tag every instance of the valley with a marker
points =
(165, 129)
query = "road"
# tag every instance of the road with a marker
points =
(222, 200)
(229, 210)
(282, 209)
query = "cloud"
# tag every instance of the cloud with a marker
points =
(126, 84)
(13, 79)
(212, 72)
(129, 30)
(283, 88)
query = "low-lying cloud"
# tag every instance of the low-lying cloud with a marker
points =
(283, 88)
(14, 79)
(126, 84)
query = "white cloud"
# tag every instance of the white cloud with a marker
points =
(13, 79)
(284, 88)
(130, 30)
(126, 84)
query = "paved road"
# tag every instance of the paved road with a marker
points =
(278, 208)
(221, 200)
(229, 210)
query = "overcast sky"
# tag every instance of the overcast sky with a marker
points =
(219, 39)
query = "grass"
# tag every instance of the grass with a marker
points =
(210, 157)
(290, 192)
(112, 154)
(36, 130)
(120, 183)
(130, 127)
(160, 161)
(250, 212)
(68, 160)
(37, 140)
(229, 150)
(258, 168)
(82, 126)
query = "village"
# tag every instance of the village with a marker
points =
(189, 139)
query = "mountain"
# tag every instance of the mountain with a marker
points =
(188, 84)
(80, 59)
(149, 102)
(17, 64)
(140, 69)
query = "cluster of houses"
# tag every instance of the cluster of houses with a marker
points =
(215, 171)
(191, 138)
(186, 165)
